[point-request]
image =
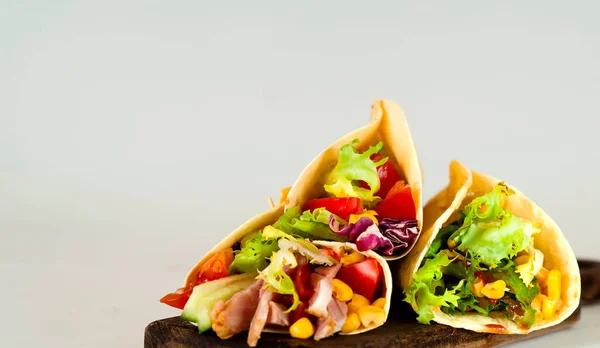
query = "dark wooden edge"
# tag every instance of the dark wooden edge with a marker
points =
(590, 281)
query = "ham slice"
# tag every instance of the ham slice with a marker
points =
(336, 316)
(300, 260)
(317, 305)
(328, 271)
(234, 316)
(277, 316)
(260, 316)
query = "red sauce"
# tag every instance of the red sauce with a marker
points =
(496, 328)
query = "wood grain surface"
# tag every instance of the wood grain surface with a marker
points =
(401, 329)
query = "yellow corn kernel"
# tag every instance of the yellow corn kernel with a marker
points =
(371, 316)
(553, 284)
(537, 302)
(559, 304)
(539, 316)
(341, 290)
(302, 328)
(541, 276)
(358, 301)
(521, 260)
(351, 324)
(548, 308)
(476, 288)
(351, 258)
(380, 302)
(494, 290)
(368, 214)
(537, 305)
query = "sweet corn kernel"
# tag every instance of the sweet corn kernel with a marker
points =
(553, 283)
(494, 290)
(351, 258)
(537, 302)
(302, 328)
(380, 302)
(548, 308)
(371, 316)
(476, 288)
(521, 260)
(352, 323)
(368, 214)
(539, 316)
(541, 276)
(358, 301)
(341, 290)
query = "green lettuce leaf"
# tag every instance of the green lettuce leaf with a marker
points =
(441, 239)
(304, 247)
(275, 277)
(313, 225)
(351, 168)
(254, 254)
(422, 294)
(489, 231)
(524, 294)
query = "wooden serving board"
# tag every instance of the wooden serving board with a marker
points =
(401, 329)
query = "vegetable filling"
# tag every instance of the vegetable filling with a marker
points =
(486, 262)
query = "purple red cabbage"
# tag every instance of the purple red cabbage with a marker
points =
(401, 232)
(391, 237)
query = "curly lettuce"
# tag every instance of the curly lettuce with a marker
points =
(253, 254)
(304, 247)
(423, 294)
(313, 225)
(489, 231)
(275, 277)
(353, 167)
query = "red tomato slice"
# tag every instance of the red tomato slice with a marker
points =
(302, 282)
(340, 206)
(363, 277)
(388, 176)
(299, 312)
(178, 299)
(398, 204)
(215, 268)
(481, 276)
(336, 255)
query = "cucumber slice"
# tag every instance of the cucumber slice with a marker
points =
(204, 296)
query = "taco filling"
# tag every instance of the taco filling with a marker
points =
(273, 281)
(364, 201)
(486, 262)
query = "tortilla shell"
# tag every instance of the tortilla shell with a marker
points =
(269, 217)
(464, 186)
(389, 125)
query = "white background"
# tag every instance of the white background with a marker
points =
(136, 134)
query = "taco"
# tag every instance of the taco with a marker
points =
(490, 260)
(262, 279)
(366, 186)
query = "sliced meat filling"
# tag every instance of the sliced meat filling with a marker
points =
(328, 271)
(235, 315)
(317, 305)
(336, 316)
(277, 316)
(260, 316)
